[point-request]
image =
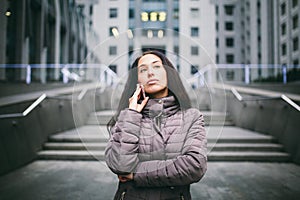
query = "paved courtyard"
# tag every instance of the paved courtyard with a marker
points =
(41, 180)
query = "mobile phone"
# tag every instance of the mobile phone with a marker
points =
(143, 91)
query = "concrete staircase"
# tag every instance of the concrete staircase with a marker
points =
(225, 142)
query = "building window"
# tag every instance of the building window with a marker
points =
(194, 31)
(294, 3)
(230, 58)
(194, 69)
(113, 31)
(229, 26)
(113, 68)
(176, 13)
(194, 50)
(296, 62)
(230, 75)
(217, 42)
(295, 22)
(113, 50)
(217, 26)
(229, 42)
(176, 50)
(217, 10)
(229, 10)
(295, 44)
(195, 12)
(283, 49)
(283, 9)
(176, 31)
(113, 13)
(283, 29)
(131, 13)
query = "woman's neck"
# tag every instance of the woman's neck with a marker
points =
(160, 94)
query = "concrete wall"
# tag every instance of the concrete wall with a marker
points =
(22, 138)
(272, 117)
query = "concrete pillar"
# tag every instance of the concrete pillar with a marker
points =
(57, 39)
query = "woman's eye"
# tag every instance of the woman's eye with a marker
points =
(143, 70)
(157, 66)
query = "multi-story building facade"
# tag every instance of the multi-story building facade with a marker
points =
(183, 30)
(287, 32)
(43, 34)
(262, 35)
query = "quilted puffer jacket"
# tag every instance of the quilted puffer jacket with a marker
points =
(164, 147)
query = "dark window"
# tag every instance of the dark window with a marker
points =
(229, 26)
(113, 12)
(110, 30)
(113, 50)
(113, 68)
(230, 75)
(294, 3)
(229, 9)
(175, 31)
(194, 50)
(230, 42)
(283, 9)
(283, 29)
(295, 22)
(230, 58)
(217, 10)
(217, 26)
(295, 44)
(194, 31)
(176, 50)
(217, 42)
(131, 13)
(283, 49)
(194, 69)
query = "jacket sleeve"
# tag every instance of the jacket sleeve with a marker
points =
(185, 169)
(121, 152)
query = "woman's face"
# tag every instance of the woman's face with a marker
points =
(153, 76)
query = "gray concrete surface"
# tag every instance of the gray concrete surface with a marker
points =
(45, 180)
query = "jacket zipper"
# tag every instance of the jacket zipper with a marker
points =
(122, 195)
(181, 197)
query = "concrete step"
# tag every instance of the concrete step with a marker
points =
(265, 147)
(75, 146)
(210, 118)
(70, 155)
(226, 143)
(212, 156)
(249, 156)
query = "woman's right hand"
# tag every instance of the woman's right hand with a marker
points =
(133, 101)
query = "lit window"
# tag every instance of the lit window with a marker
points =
(144, 16)
(153, 16)
(162, 16)
(160, 34)
(113, 31)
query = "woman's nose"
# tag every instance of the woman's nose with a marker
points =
(150, 71)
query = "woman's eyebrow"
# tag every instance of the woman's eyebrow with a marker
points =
(142, 65)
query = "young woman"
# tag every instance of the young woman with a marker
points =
(158, 142)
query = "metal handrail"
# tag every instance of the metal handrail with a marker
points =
(282, 96)
(27, 110)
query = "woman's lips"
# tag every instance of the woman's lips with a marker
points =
(152, 81)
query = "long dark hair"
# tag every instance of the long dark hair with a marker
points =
(175, 85)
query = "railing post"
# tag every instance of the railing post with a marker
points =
(28, 74)
(247, 74)
(284, 74)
